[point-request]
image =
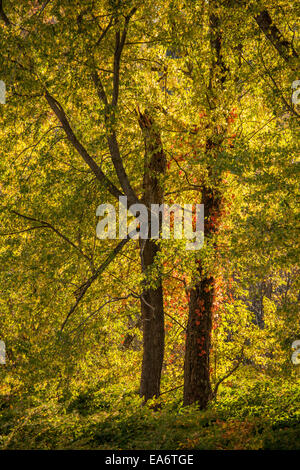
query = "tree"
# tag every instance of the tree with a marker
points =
(57, 88)
(145, 101)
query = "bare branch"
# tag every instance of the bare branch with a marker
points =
(120, 41)
(84, 287)
(174, 319)
(50, 226)
(21, 231)
(37, 143)
(104, 32)
(237, 365)
(115, 299)
(172, 389)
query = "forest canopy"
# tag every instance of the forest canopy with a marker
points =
(141, 343)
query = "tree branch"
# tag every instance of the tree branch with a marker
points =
(115, 299)
(3, 15)
(120, 41)
(48, 225)
(284, 47)
(100, 88)
(215, 391)
(84, 287)
(119, 167)
(17, 232)
(104, 32)
(60, 114)
(109, 112)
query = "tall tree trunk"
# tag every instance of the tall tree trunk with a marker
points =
(197, 386)
(152, 298)
(153, 328)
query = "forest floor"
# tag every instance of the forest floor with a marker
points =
(264, 414)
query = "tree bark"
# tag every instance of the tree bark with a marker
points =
(153, 328)
(152, 298)
(284, 47)
(197, 386)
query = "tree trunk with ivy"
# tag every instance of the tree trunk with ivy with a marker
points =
(197, 386)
